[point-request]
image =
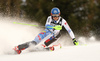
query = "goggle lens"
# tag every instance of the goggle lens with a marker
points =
(55, 15)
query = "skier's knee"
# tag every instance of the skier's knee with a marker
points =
(26, 45)
(51, 40)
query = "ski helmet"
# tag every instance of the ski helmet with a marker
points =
(55, 11)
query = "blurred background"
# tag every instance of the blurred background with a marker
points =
(83, 16)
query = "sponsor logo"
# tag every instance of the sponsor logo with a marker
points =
(65, 23)
(55, 11)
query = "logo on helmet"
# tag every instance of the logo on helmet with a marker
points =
(55, 11)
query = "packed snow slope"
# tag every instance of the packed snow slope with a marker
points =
(71, 53)
(13, 34)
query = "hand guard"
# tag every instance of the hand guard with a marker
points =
(75, 42)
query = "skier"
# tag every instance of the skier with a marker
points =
(54, 20)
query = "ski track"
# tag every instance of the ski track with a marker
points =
(14, 34)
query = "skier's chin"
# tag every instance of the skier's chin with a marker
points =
(55, 19)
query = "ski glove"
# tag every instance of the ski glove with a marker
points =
(49, 27)
(75, 42)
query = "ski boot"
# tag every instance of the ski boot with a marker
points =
(23, 46)
(17, 50)
(48, 48)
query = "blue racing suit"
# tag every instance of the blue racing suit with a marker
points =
(49, 35)
(51, 23)
(43, 34)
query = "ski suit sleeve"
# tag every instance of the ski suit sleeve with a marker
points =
(47, 25)
(48, 21)
(66, 26)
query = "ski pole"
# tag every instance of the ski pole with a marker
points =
(25, 24)
(58, 27)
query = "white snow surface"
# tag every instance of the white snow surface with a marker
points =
(14, 34)
(68, 53)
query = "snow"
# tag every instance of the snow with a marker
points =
(14, 34)
(68, 53)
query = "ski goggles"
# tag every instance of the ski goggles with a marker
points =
(55, 15)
